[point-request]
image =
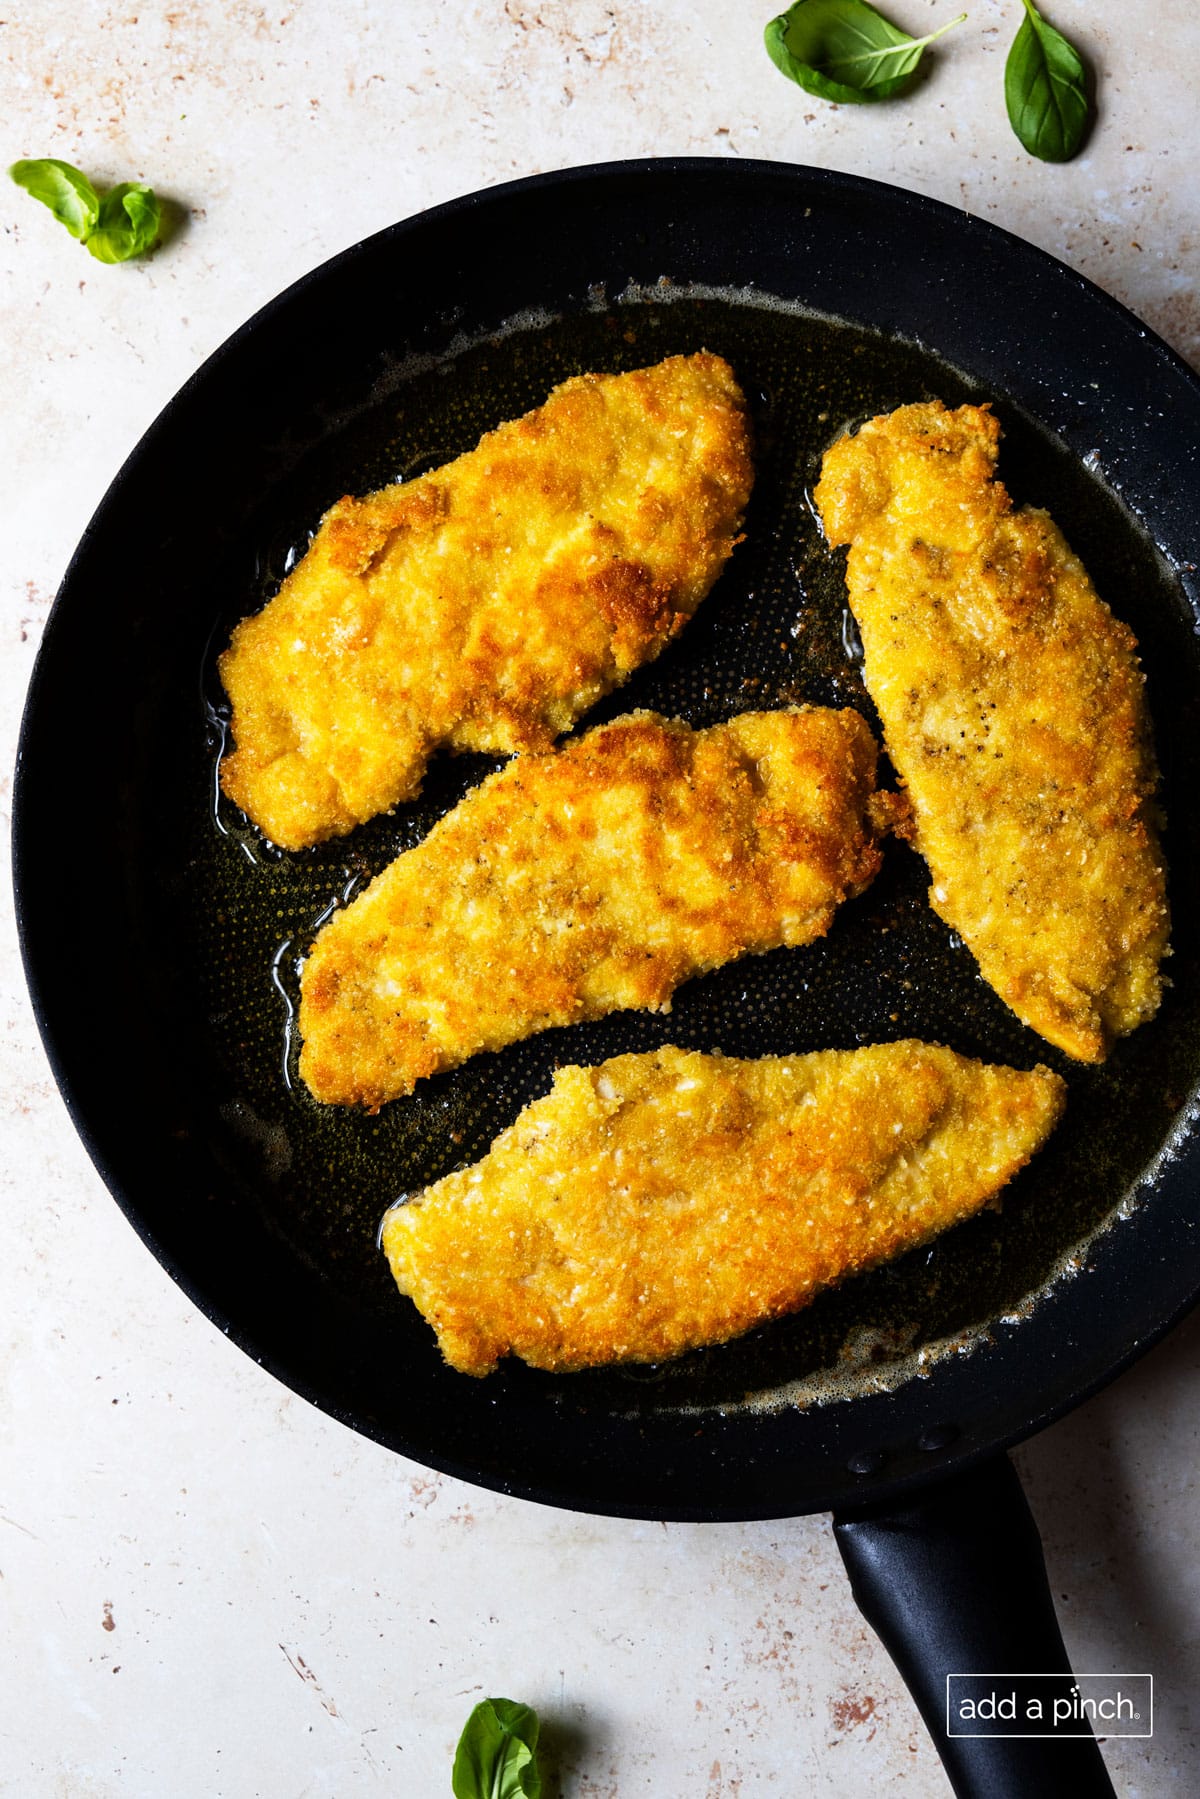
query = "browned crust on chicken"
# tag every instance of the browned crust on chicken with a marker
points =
(488, 604)
(664, 1201)
(1013, 709)
(579, 883)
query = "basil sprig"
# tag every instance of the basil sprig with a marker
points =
(1045, 90)
(122, 224)
(844, 50)
(497, 1753)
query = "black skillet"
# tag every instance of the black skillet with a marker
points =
(161, 934)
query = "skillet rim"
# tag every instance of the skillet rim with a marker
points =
(886, 1468)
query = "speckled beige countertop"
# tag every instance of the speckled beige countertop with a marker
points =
(207, 1589)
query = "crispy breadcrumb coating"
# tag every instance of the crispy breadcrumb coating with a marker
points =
(659, 1202)
(1013, 709)
(581, 882)
(486, 605)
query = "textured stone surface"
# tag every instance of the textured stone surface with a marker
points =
(208, 1588)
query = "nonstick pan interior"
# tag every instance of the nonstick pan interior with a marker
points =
(273, 1219)
(776, 631)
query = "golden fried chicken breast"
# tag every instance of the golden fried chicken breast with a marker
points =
(584, 881)
(488, 604)
(659, 1202)
(1013, 710)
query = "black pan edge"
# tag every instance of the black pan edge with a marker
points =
(1145, 1272)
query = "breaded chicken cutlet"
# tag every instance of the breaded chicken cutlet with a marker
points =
(1013, 709)
(664, 1201)
(488, 604)
(585, 881)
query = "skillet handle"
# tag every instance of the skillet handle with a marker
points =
(954, 1582)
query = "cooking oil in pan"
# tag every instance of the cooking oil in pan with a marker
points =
(774, 631)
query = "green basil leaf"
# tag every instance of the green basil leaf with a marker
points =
(496, 1756)
(1045, 90)
(843, 50)
(68, 193)
(130, 216)
(122, 225)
